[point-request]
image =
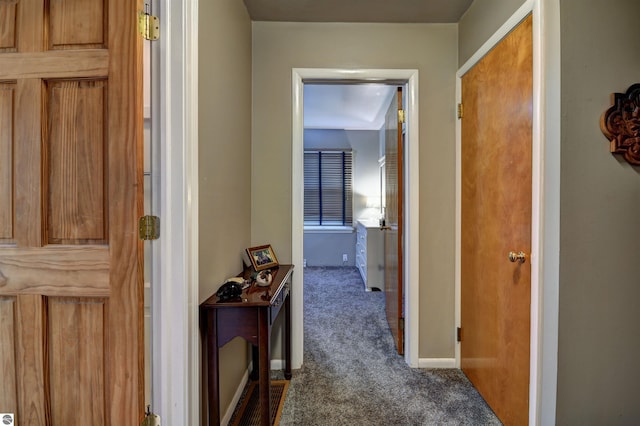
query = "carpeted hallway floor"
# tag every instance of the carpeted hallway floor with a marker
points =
(352, 375)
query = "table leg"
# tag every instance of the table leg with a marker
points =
(287, 338)
(212, 369)
(264, 382)
(255, 355)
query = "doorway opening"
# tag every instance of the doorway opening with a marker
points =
(346, 127)
(408, 79)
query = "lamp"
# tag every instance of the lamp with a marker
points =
(373, 202)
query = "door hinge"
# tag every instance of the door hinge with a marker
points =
(401, 116)
(401, 323)
(460, 111)
(149, 227)
(148, 25)
(150, 419)
(459, 334)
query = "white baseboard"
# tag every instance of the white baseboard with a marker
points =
(234, 402)
(277, 364)
(437, 363)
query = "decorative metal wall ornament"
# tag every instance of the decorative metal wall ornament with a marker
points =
(621, 124)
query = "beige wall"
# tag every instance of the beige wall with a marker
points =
(599, 331)
(432, 49)
(224, 147)
(480, 21)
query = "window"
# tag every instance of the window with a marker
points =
(328, 188)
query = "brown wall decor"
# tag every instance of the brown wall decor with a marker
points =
(621, 124)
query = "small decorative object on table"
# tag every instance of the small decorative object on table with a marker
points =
(264, 278)
(262, 257)
(230, 290)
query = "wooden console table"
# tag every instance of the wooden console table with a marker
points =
(251, 317)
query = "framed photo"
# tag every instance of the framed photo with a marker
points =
(262, 257)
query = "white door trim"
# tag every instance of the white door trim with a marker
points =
(545, 200)
(412, 266)
(175, 335)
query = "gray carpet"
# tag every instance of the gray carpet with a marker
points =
(352, 375)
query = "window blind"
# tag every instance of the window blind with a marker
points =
(328, 188)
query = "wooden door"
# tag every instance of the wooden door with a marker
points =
(70, 195)
(496, 219)
(394, 217)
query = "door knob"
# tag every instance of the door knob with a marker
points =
(517, 257)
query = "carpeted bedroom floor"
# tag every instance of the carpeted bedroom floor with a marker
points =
(352, 375)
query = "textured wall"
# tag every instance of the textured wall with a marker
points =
(279, 47)
(599, 320)
(224, 165)
(326, 249)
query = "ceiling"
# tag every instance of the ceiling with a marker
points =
(361, 106)
(424, 11)
(346, 106)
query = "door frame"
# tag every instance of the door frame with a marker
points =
(545, 220)
(175, 330)
(408, 77)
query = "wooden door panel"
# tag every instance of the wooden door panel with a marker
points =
(7, 25)
(8, 396)
(55, 64)
(30, 359)
(77, 381)
(71, 193)
(75, 143)
(7, 94)
(30, 34)
(57, 271)
(28, 161)
(77, 24)
(496, 219)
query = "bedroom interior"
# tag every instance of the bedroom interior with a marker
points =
(347, 117)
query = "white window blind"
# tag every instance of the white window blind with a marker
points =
(328, 188)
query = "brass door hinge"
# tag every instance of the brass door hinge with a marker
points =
(401, 116)
(148, 25)
(459, 334)
(460, 111)
(149, 227)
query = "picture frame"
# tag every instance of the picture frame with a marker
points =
(262, 257)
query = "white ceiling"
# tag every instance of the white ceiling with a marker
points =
(346, 106)
(426, 11)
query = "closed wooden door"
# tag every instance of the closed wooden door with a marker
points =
(496, 219)
(70, 195)
(394, 221)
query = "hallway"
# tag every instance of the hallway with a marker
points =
(351, 373)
